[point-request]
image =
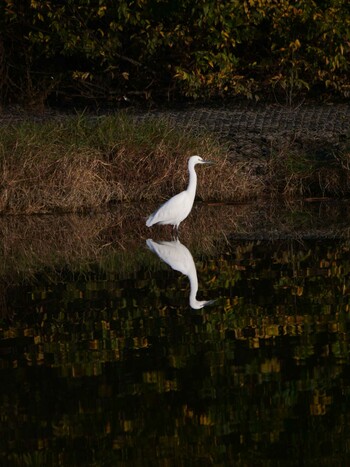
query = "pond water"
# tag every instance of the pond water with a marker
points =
(229, 347)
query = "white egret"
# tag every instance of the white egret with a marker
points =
(177, 208)
(179, 258)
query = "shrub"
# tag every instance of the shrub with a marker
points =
(155, 48)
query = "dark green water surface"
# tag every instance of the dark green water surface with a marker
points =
(107, 364)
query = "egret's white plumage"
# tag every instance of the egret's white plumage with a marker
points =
(177, 208)
(179, 258)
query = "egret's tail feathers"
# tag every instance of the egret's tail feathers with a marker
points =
(149, 221)
(150, 244)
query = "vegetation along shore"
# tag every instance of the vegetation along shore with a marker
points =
(79, 163)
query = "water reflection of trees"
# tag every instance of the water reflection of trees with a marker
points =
(105, 368)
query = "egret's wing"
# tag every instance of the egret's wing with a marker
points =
(168, 212)
(175, 254)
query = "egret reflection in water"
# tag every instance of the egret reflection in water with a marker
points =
(179, 258)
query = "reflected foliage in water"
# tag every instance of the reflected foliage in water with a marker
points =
(102, 368)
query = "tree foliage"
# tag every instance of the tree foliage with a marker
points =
(262, 372)
(156, 48)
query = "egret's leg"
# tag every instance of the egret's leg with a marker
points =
(170, 230)
(175, 233)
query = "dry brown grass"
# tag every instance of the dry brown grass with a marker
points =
(318, 168)
(83, 164)
(67, 183)
(79, 164)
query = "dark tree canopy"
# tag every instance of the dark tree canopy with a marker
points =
(105, 50)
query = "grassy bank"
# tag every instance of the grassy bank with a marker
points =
(79, 163)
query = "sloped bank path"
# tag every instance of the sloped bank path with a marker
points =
(252, 128)
(241, 121)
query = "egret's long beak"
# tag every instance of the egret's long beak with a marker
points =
(208, 162)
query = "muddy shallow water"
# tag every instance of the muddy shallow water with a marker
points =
(228, 346)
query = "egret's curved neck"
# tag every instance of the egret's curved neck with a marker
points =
(192, 184)
(193, 284)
